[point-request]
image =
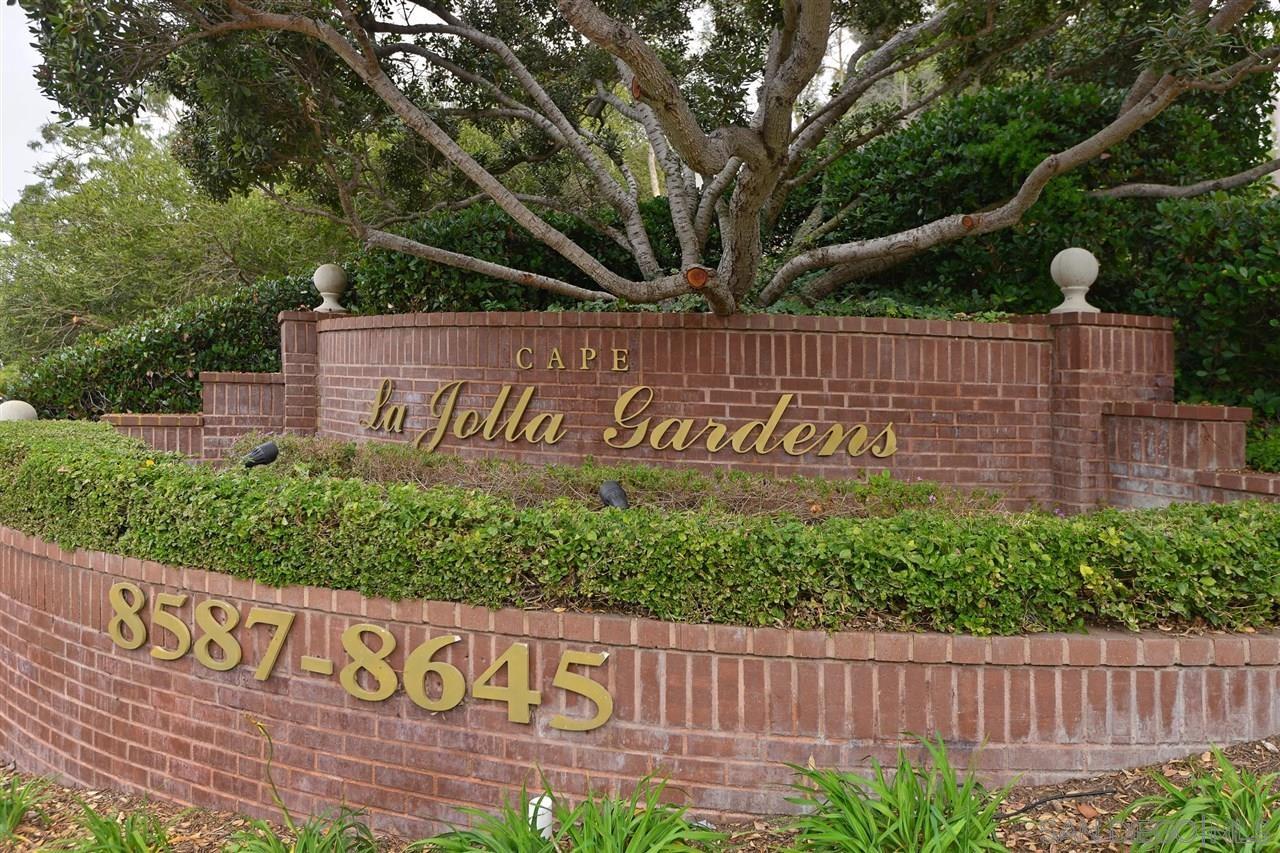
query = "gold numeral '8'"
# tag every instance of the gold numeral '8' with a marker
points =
(217, 633)
(127, 615)
(375, 663)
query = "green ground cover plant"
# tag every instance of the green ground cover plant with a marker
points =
(637, 823)
(670, 489)
(135, 833)
(1221, 809)
(83, 485)
(17, 800)
(343, 832)
(924, 807)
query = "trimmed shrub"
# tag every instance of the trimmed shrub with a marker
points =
(1263, 447)
(82, 485)
(1209, 262)
(154, 364)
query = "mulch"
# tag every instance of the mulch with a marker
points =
(1073, 817)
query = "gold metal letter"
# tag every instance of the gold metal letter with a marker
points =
(555, 361)
(520, 360)
(588, 356)
(620, 361)
(624, 419)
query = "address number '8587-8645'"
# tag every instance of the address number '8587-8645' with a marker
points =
(216, 622)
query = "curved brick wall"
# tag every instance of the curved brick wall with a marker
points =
(717, 708)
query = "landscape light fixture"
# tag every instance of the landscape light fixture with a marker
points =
(263, 454)
(612, 494)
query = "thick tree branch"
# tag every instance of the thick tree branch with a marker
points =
(1230, 182)
(395, 243)
(916, 240)
(653, 84)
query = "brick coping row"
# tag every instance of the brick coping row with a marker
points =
(1144, 649)
(1178, 411)
(739, 322)
(1241, 481)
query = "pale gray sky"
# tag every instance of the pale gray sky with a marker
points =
(22, 108)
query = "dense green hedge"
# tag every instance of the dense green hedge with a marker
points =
(1212, 263)
(81, 485)
(153, 364)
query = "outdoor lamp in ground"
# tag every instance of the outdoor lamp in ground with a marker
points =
(331, 281)
(263, 454)
(612, 494)
(1074, 270)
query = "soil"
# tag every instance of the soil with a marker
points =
(1074, 817)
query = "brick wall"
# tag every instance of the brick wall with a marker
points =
(970, 402)
(1034, 409)
(174, 433)
(1158, 453)
(238, 403)
(719, 709)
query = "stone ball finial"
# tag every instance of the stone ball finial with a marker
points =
(1074, 270)
(17, 410)
(331, 282)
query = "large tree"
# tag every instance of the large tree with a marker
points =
(383, 110)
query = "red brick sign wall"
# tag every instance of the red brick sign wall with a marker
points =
(720, 710)
(1037, 410)
(971, 404)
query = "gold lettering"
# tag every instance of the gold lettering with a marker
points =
(588, 356)
(620, 361)
(679, 441)
(468, 424)
(442, 405)
(552, 425)
(511, 430)
(555, 361)
(384, 415)
(521, 362)
(761, 444)
(491, 422)
(797, 435)
(889, 446)
(627, 420)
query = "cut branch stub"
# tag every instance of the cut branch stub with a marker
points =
(697, 277)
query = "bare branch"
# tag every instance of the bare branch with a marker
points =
(653, 84)
(711, 194)
(813, 129)
(1230, 182)
(394, 242)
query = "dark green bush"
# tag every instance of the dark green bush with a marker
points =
(82, 485)
(153, 364)
(1263, 447)
(1209, 262)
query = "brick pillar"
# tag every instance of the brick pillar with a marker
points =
(1099, 359)
(298, 364)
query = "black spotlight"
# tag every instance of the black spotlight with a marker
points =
(612, 494)
(263, 454)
